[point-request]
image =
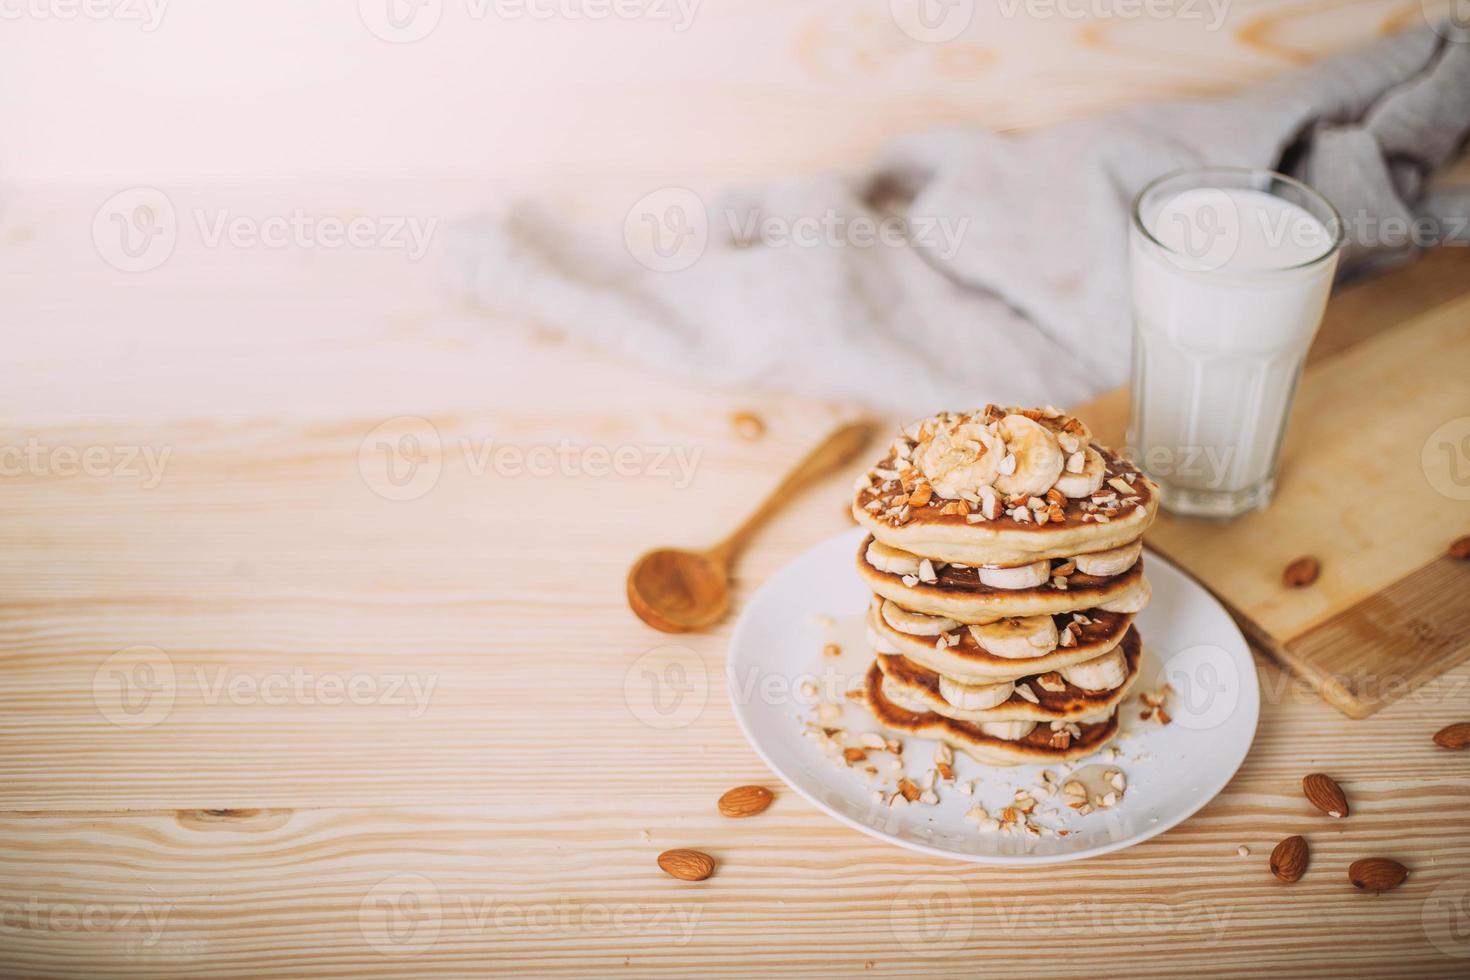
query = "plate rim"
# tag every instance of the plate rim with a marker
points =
(742, 625)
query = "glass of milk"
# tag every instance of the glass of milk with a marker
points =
(1231, 269)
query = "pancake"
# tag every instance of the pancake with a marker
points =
(909, 682)
(1003, 540)
(1041, 745)
(970, 663)
(958, 593)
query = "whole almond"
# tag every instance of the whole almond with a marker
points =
(1376, 874)
(1325, 795)
(1289, 859)
(1456, 736)
(686, 864)
(1460, 548)
(745, 801)
(1302, 572)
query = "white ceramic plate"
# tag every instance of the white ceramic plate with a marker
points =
(776, 662)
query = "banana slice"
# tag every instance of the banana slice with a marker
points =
(963, 458)
(1097, 717)
(916, 624)
(1020, 577)
(881, 643)
(891, 560)
(1114, 561)
(1017, 638)
(975, 697)
(1132, 601)
(1033, 461)
(1071, 432)
(1082, 474)
(1008, 730)
(903, 699)
(1103, 673)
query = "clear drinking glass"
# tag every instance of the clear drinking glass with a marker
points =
(1230, 272)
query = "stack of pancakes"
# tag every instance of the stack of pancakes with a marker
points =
(1005, 562)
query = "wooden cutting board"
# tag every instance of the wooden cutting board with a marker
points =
(1375, 484)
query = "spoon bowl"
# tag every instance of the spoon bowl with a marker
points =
(679, 591)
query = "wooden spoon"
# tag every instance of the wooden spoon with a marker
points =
(678, 591)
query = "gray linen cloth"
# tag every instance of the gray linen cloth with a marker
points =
(1013, 286)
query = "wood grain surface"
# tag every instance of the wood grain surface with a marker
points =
(277, 704)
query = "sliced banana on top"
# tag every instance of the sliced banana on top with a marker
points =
(916, 624)
(1083, 473)
(1114, 561)
(966, 457)
(1131, 601)
(1008, 730)
(1017, 638)
(1019, 577)
(891, 560)
(1105, 673)
(975, 697)
(1034, 460)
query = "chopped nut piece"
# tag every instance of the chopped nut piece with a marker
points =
(831, 650)
(1051, 681)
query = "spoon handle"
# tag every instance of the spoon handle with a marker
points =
(838, 448)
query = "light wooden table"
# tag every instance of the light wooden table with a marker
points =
(172, 804)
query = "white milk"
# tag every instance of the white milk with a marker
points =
(1223, 314)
